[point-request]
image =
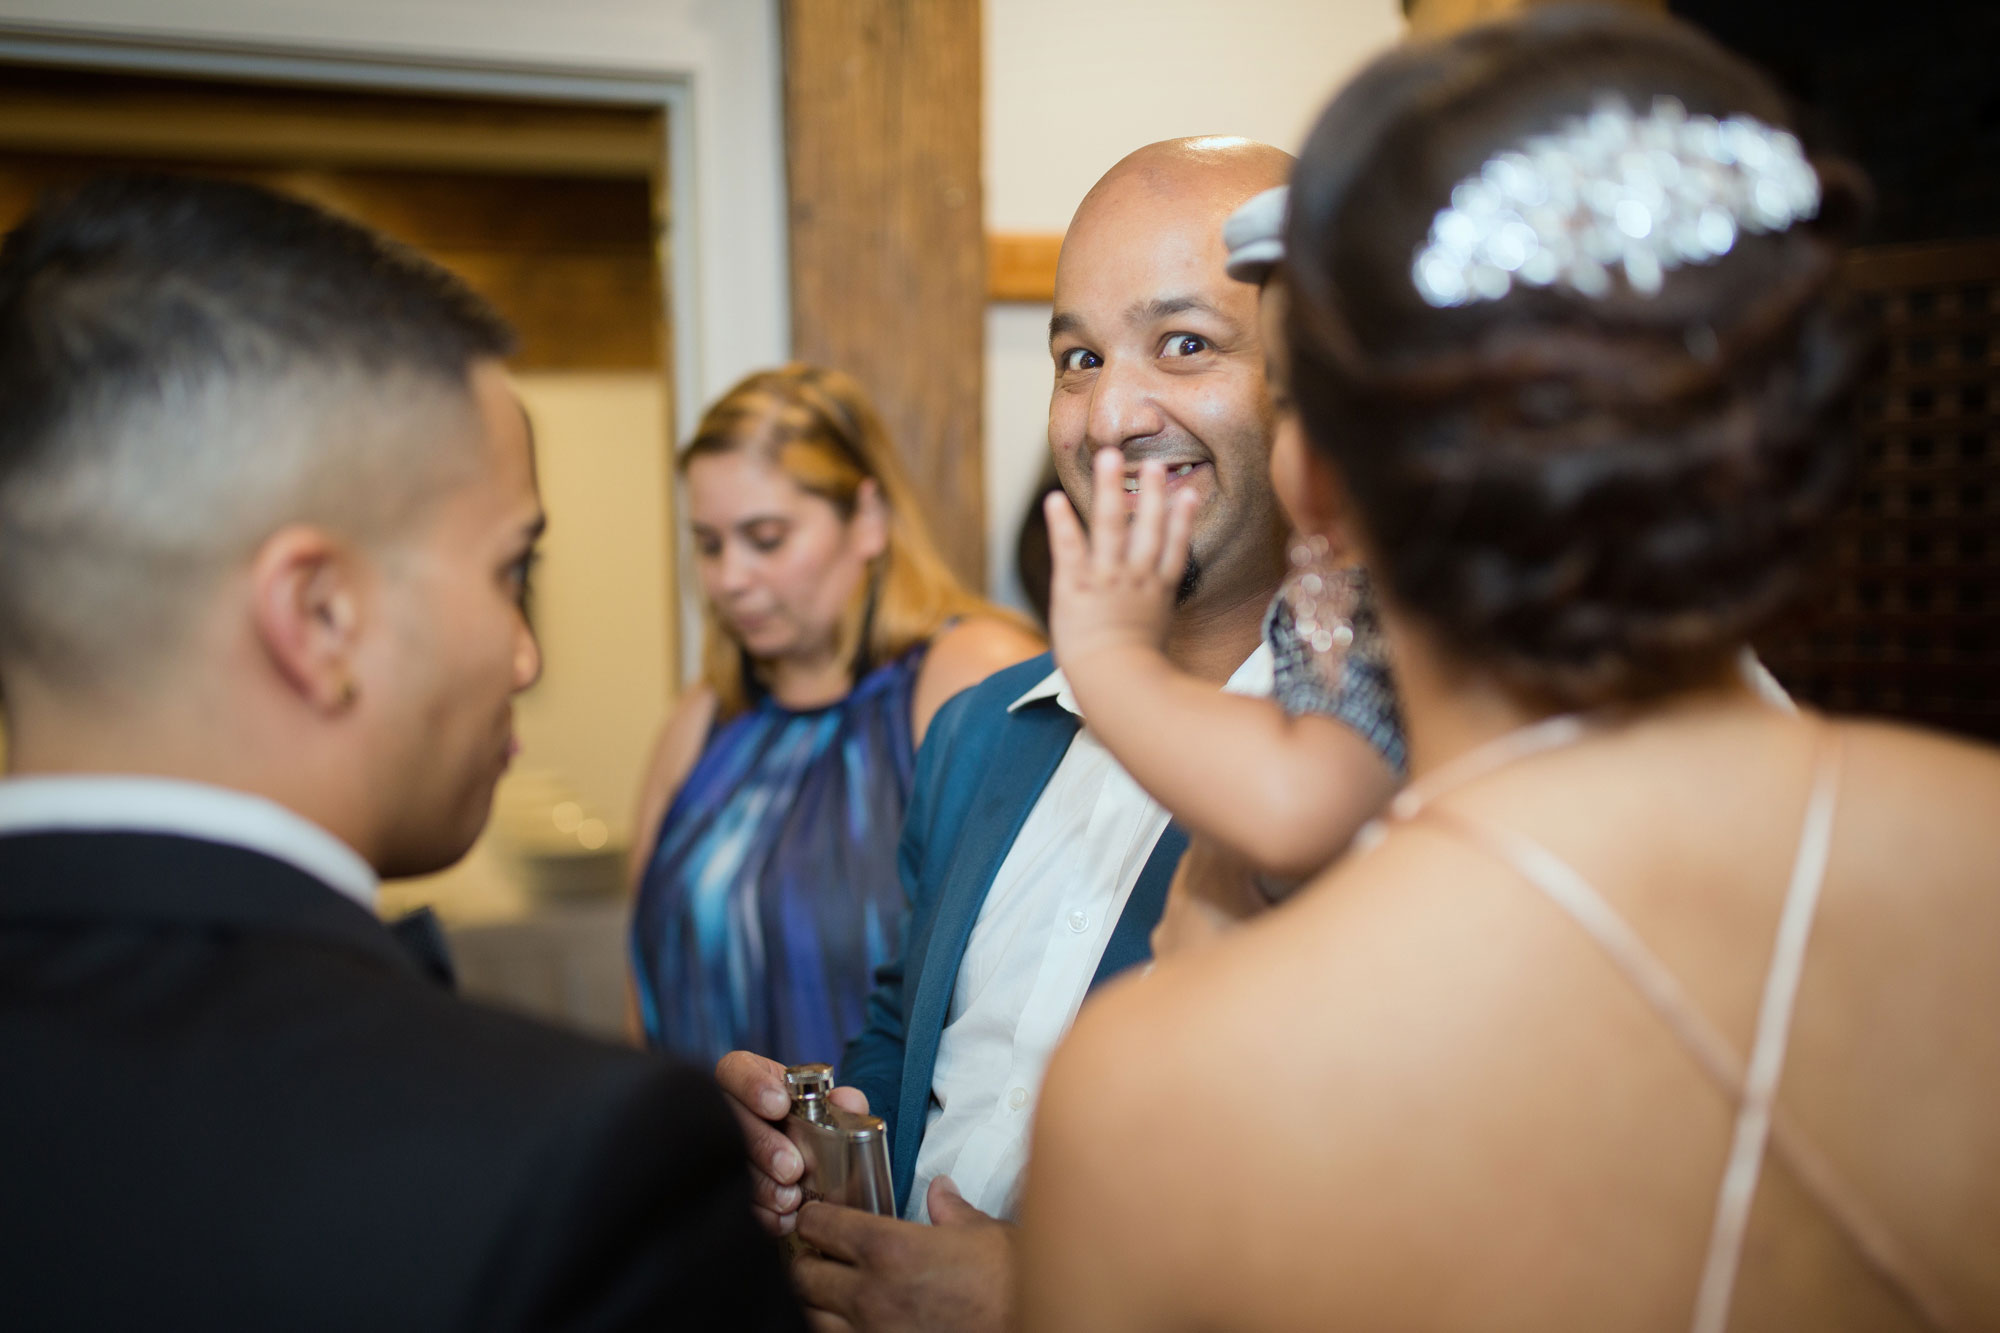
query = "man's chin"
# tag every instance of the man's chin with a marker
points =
(430, 850)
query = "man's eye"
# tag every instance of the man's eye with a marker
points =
(1185, 344)
(522, 575)
(1078, 358)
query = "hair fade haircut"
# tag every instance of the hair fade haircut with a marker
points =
(187, 365)
(1596, 498)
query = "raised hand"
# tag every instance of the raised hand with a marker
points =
(1114, 587)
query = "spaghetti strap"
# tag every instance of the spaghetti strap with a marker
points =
(1759, 1122)
(1767, 1055)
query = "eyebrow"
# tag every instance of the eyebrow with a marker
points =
(1141, 313)
(743, 524)
(531, 532)
(1164, 307)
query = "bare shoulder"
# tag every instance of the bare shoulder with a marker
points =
(680, 743)
(684, 734)
(1917, 801)
(1930, 764)
(1100, 1243)
(964, 655)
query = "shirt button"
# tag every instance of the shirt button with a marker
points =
(1079, 921)
(1018, 1098)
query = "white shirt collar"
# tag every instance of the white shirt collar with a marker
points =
(1254, 678)
(103, 804)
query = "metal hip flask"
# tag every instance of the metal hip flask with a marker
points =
(846, 1155)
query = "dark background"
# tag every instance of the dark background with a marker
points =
(1907, 621)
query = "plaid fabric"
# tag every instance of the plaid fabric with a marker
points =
(1360, 694)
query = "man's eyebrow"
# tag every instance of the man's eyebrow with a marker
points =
(1063, 322)
(531, 531)
(1165, 307)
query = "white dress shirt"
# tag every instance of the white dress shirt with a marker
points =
(1031, 957)
(104, 804)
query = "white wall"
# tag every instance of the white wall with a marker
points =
(727, 50)
(1070, 89)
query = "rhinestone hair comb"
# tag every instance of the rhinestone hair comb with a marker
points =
(1609, 193)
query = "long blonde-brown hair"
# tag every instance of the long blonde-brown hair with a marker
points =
(818, 428)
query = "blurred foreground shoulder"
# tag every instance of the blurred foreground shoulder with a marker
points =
(964, 655)
(640, 1216)
(1098, 1239)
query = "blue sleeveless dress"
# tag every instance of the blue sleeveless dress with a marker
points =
(772, 894)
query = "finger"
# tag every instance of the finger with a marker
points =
(769, 1150)
(1180, 531)
(756, 1083)
(1107, 511)
(849, 1099)
(1069, 548)
(1142, 550)
(839, 1232)
(827, 1286)
(948, 1207)
(779, 1199)
(775, 1223)
(819, 1321)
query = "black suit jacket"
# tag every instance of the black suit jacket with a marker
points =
(228, 1099)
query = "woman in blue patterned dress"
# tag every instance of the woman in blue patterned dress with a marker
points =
(767, 890)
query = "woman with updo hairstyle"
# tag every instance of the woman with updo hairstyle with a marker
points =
(1651, 1002)
(766, 881)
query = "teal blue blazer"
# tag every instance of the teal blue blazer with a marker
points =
(980, 771)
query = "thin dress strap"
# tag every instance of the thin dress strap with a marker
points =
(1758, 1120)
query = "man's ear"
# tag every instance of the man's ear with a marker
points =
(871, 518)
(306, 606)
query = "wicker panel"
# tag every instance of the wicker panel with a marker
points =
(1909, 623)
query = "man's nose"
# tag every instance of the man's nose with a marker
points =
(527, 658)
(1122, 408)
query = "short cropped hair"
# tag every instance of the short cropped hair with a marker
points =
(186, 366)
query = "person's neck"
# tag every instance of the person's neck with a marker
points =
(1211, 640)
(1451, 709)
(812, 681)
(188, 743)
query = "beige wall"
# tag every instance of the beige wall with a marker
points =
(1072, 88)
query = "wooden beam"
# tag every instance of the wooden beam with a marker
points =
(1440, 18)
(1021, 266)
(888, 259)
(123, 116)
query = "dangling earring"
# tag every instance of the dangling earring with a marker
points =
(348, 693)
(1323, 599)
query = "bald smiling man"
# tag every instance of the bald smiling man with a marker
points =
(1036, 868)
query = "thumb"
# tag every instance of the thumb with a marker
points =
(948, 1207)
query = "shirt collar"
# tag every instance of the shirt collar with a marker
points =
(1253, 678)
(73, 802)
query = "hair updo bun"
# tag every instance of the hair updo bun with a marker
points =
(1596, 497)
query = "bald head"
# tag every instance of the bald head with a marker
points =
(1224, 168)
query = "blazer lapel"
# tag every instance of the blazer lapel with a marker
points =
(1007, 792)
(1131, 939)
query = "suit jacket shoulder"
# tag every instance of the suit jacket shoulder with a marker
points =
(237, 1105)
